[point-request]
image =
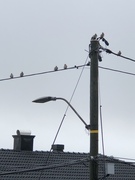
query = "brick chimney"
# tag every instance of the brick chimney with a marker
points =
(23, 141)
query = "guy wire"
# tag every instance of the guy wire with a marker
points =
(101, 123)
(65, 114)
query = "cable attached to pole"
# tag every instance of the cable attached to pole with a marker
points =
(64, 114)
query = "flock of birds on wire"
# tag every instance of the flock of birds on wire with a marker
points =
(22, 73)
(101, 37)
(94, 37)
(12, 76)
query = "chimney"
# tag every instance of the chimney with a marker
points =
(57, 147)
(23, 141)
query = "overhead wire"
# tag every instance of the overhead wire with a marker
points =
(63, 164)
(65, 112)
(40, 73)
(116, 54)
(102, 136)
(70, 100)
(124, 158)
(101, 123)
(76, 67)
(77, 82)
(116, 70)
(69, 163)
(53, 143)
(73, 67)
(63, 115)
(116, 161)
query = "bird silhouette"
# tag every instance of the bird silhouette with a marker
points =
(21, 74)
(11, 75)
(94, 37)
(55, 68)
(119, 53)
(102, 35)
(65, 66)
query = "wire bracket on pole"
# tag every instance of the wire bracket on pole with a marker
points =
(87, 127)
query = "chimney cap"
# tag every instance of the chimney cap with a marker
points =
(23, 132)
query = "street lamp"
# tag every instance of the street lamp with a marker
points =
(49, 98)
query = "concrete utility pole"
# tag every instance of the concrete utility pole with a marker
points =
(94, 56)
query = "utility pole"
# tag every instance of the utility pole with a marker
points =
(94, 56)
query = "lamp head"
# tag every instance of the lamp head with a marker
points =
(44, 99)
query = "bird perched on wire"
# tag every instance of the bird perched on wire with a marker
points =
(55, 68)
(119, 53)
(76, 67)
(21, 74)
(65, 66)
(94, 37)
(102, 35)
(11, 75)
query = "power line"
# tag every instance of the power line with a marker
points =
(63, 118)
(70, 163)
(116, 70)
(53, 144)
(70, 99)
(73, 67)
(117, 161)
(102, 136)
(40, 73)
(124, 158)
(116, 54)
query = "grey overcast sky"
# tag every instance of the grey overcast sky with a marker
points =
(37, 35)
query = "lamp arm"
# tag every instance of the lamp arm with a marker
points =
(87, 126)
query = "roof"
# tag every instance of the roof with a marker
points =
(57, 165)
(11, 160)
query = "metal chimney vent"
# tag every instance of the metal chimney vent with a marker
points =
(22, 132)
(58, 147)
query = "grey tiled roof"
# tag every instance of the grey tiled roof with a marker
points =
(11, 160)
